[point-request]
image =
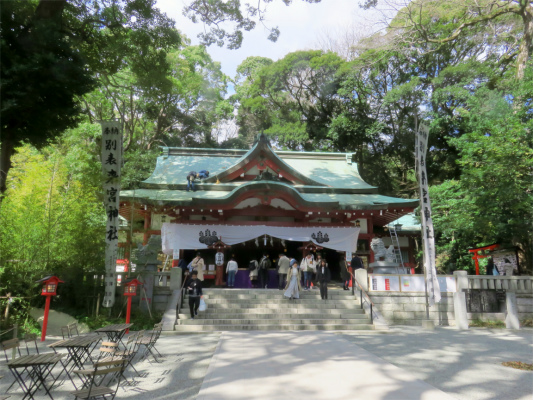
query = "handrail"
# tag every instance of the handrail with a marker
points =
(9, 330)
(182, 296)
(367, 299)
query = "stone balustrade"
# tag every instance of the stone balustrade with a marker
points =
(517, 284)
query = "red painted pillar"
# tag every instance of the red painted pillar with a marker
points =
(128, 313)
(45, 319)
(476, 261)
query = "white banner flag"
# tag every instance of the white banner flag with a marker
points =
(111, 162)
(428, 234)
(183, 236)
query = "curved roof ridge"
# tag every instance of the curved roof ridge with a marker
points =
(262, 143)
(269, 185)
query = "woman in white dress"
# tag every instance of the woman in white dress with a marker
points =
(292, 290)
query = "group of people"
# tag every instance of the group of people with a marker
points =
(506, 268)
(315, 272)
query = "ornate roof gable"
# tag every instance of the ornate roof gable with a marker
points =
(262, 156)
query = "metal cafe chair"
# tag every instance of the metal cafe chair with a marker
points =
(70, 330)
(11, 346)
(28, 338)
(95, 389)
(65, 332)
(149, 343)
(107, 351)
(132, 347)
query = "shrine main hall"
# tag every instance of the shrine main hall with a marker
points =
(261, 201)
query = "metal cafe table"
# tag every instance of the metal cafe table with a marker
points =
(39, 367)
(115, 332)
(79, 349)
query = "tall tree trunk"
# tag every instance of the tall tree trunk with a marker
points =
(524, 51)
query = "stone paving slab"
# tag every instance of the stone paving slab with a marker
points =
(305, 365)
(178, 377)
(465, 364)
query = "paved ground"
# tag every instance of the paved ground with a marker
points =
(305, 365)
(325, 365)
(464, 364)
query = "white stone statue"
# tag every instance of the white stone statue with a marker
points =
(380, 251)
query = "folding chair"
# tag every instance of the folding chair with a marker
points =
(73, 329)
(149, 343)
(8, 346)
(132, 347)
(28, 338)
(107, 351)
(65, 332)
(101, 370)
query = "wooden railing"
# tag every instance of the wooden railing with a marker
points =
(517, 284)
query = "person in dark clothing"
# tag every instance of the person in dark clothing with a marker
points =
(323, 276)
(194, 286)
(490, 266)
(203, 174)
(356, 263)
(190, 180)
(345, 273)
(264, 266)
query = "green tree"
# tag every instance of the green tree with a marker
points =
(52, 51)
(492, 202)
(436, 23)
(52, 219)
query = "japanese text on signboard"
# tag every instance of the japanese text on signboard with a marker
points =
(111, 163)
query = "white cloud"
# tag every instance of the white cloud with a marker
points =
(300, 24)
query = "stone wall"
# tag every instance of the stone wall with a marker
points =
(410, 308)
(525, 306)
(402, 308)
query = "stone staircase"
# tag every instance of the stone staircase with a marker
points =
(268, 310)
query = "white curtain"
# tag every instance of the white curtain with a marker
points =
(190, 237)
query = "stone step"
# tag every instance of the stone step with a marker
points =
(325, 305)
(206, 315)
(311, 321)
(280, 327)
(244, 312)
(314, 294)
(280, 301)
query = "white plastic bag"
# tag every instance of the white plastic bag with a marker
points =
(203, 306)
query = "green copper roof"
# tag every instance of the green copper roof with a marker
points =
(344, 201)
(333, 170)
(329, 180)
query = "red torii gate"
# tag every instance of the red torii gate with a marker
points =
(477, 256)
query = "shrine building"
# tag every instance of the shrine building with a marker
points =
(261, 201)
